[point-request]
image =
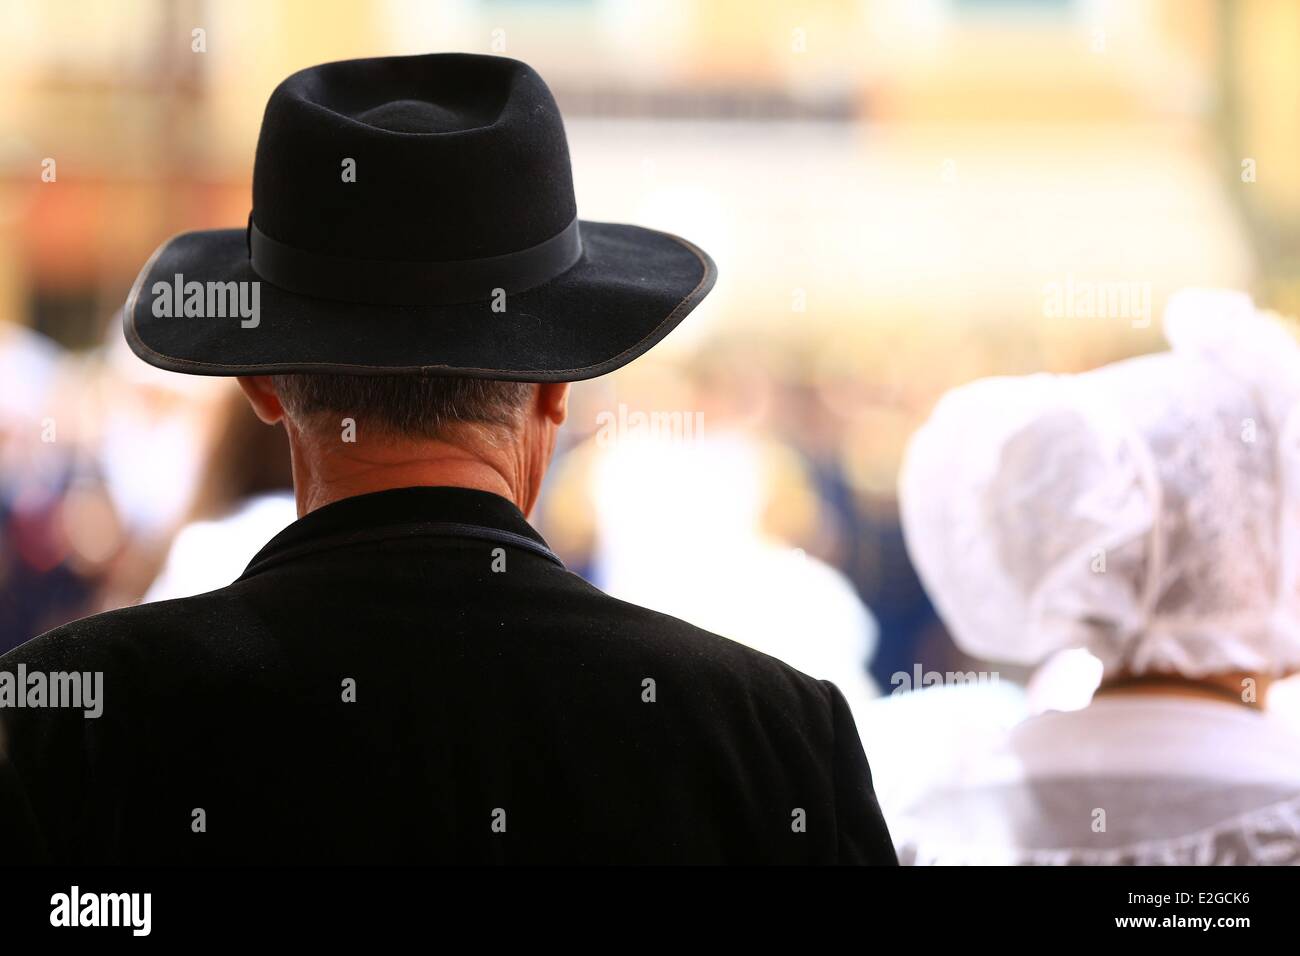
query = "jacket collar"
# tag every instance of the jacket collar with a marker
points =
(396, 509)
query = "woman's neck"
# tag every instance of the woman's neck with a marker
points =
(1243, 688)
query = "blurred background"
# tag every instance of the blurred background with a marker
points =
(901, 195)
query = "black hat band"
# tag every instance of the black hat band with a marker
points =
(393, 282)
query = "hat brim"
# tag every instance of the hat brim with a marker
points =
(631, 287)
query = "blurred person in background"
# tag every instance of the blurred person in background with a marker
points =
(143, 435)
(1147, 512)
(686, 457)
(85, 516)
(740, 577)
(38, 584)
(244, 498)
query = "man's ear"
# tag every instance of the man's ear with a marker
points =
(261, 395)
(553, 401)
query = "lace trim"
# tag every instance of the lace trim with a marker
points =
(1266, 836)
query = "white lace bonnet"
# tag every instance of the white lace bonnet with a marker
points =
(1147, 511)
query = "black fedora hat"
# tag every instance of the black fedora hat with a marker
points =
(413, 215)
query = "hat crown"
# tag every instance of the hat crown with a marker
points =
(420, 158)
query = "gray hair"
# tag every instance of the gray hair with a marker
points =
(418, 406)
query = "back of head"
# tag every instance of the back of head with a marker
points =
(411, 407)
(1145, 511)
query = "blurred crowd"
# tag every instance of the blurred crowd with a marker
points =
(103, 463)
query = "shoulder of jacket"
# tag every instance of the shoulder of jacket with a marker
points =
(723, 662)
(102, 636)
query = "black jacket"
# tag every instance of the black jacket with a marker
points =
(504, 711)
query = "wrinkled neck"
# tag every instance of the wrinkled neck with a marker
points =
(326, 470)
